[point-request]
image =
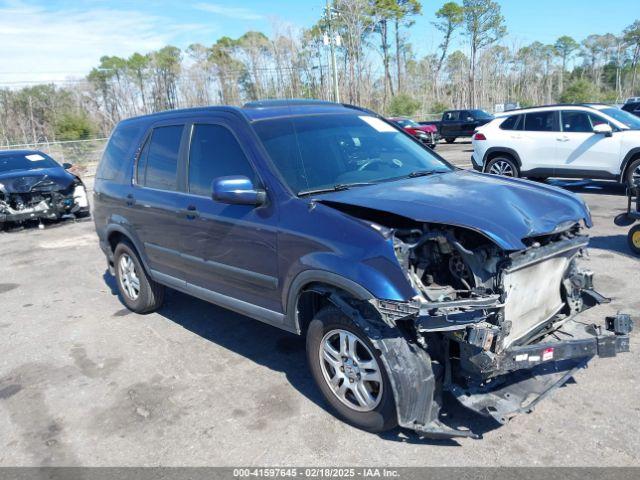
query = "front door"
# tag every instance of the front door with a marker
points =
(582, 152)
(155, 197)
(229, 249)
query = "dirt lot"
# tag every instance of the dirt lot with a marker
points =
(85, 382)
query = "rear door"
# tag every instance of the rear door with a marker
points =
(538, 142)
(156, 196)
(230, 249)
(581, 152)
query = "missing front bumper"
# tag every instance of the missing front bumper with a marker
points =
(516, 380)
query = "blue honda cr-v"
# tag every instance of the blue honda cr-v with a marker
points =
(408, 276)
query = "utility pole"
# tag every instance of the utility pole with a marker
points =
(334, 66)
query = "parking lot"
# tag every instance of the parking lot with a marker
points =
(84, 381)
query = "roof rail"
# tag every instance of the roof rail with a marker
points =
(587, 105)
(292, 102)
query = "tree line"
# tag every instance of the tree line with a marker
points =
(377, 67)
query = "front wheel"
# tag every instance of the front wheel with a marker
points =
(503, 166)
(450, 139)
(634, 239)
(349, 372)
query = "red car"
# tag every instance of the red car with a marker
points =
(427, 134)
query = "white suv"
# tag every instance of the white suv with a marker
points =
(568, 141)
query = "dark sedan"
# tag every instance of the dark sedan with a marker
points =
(34, 187)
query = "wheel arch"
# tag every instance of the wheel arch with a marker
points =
(309, 292)
(494, 152)
(631, 155)
(116, 234)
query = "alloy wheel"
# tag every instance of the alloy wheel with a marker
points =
(350, 370)
(501, 167)
(129, 279)
(635, 176)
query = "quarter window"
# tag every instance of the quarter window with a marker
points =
(541, 122)
(514, 122)
(214, 153)
(158, 163)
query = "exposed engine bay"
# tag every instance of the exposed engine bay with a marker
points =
(40, 198)
(465, 279)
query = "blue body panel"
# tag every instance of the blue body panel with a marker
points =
(264, 255)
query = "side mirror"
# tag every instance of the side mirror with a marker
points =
(67, 165)
(237, 190)
(603, 129)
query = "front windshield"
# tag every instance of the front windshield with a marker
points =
(626, 118)
(25, 161)
(481, 114)
(319, 152)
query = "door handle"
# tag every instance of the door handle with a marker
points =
(562, 139)
(191, 212)
(131, 201)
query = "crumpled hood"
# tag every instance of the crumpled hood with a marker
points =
(504, 209)
(47, 179)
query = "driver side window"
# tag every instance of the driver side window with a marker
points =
(214, 153)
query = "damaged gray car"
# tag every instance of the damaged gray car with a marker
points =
(35, 188)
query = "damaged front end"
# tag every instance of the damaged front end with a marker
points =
(502, 328)
(38, 198)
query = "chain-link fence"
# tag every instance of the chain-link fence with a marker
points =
(83, 153)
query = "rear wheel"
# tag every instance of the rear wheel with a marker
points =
(632, 177)
(504, 166)
(137, 290)
(450, 139)
(349, 372)
(634, 239)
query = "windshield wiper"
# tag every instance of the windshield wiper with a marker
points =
(335, 188)
(423, 173)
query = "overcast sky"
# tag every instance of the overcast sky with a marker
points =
(46, 40)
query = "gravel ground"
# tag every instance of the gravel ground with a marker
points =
(85, 382)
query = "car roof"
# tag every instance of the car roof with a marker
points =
(543, 108)
(262, 109)
(6, 153)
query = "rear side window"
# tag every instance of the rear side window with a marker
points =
(514, 122)
(158, 164)
(214, 153)
(541, 122)
(119, 151)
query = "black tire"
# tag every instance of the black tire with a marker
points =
(499, 163)
(634, 166)
(432, 146)
(450, 139)
(634, 239)
(383, 417)
(150, 294)
(83, 214)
